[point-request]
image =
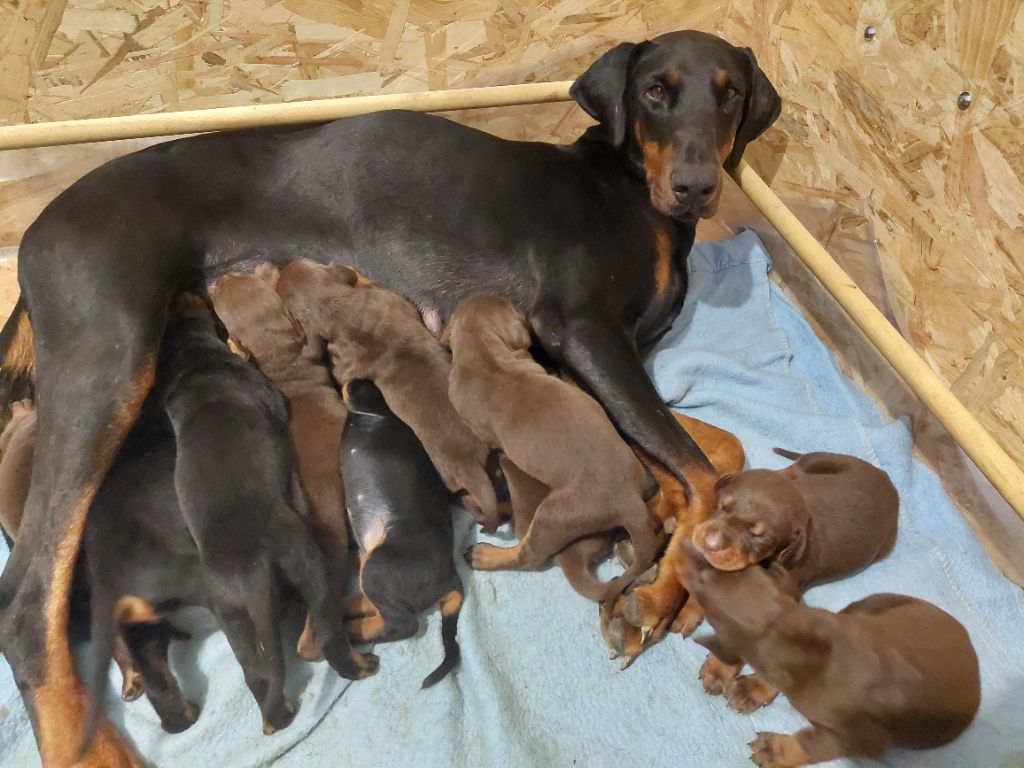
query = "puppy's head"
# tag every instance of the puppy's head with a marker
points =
(252, 312)
(363, 397)
(745, 602)
(492, 318)
(759, 515)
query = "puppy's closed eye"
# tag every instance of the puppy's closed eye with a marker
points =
(757, 530)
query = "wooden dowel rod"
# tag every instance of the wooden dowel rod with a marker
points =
(986, 453)
(228, 118)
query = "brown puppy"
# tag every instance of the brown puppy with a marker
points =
(256, 319)
(886, 671)
(825, 517)
(579, 559)
(551, 431)
(16, 449)
(374, 334)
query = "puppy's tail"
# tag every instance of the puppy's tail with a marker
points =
(577, 572)
(451, 604)
(646, 543)
(791, 455)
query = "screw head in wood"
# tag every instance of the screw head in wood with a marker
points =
(870, 32)
(964, 100)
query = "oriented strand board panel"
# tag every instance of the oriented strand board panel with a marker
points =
(870, 125)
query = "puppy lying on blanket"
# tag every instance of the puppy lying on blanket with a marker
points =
(401, 517)
(886, 671)
(579, 559)
(255, 318)
(825, 517)
(375, 334)
(240, 499)
(552, 432)
(128, 511)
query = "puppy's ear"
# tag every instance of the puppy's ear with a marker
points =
(724, 480)
(601, 90)
(345, 275)
(268, 273)
(446, 336)
(808, 634)
(796, 547)
(760, 110)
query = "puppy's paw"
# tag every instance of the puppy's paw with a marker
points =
(689, 618)
(624, 552)
(748, 693)
(715, 675)
(485, 557)
(131, 685)
(368, 664)
(280, 719)
(775, 750)
(181, 721)
(625, 641)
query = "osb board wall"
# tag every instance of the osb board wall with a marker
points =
(869, 126)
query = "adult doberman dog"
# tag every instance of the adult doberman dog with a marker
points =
(589, 240)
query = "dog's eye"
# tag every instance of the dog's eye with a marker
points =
(656, 93)
(731, 93)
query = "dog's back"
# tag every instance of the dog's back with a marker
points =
(855, 511)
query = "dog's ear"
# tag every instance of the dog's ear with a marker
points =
(807, 634)
(760, 110)
(446, 336)
(723, 480)
(344, 275)
(601, 90)
(796, 547)
(268, 273)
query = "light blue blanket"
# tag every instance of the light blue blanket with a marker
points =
(536, 687)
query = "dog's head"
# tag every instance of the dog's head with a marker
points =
(362, 396)
(758, 515)
(490, 317)
(683, 106)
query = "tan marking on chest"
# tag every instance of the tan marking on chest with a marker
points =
(664, 249)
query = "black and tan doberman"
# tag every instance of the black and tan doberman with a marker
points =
(589, 240)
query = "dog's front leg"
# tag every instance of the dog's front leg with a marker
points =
(599, 353)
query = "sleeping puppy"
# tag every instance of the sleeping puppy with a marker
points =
(255, 318)
(374, 334)
(579, 559)
(554, 433)
(238, 493)
(825, 517)
(886, 671)
(401, 517)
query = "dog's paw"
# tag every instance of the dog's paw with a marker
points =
(131, 685)
(625, 641)
(715, 675)
(748, 693)
(776, 750)
(368, 664)
(485, 557)
(624, 552)
(689, 618)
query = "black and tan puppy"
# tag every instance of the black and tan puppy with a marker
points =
(401, 517)
(886, 671)
(137, 552)
(825, 517)
(374, 334)
(553, 432)
(255, 318)
(236, 485)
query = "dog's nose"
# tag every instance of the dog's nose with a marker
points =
(715, 541)
(694, 185)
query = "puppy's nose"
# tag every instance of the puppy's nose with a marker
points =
(715, 541)
(694, 185)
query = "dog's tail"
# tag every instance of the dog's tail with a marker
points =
(451, 604)
(791, 455)
(17, 358)
(646, 543)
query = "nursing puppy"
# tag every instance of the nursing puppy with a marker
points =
(116, 510)
(551, 431)
(886, 671)
(255, 318)
(374, 334)
(667, 501)
(825, 517)
(401, 517)
(236, 486)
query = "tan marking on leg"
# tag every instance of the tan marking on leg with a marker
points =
(451, 603)
(60, 702)
(357, 605)
(131, 609)
(364, 629)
